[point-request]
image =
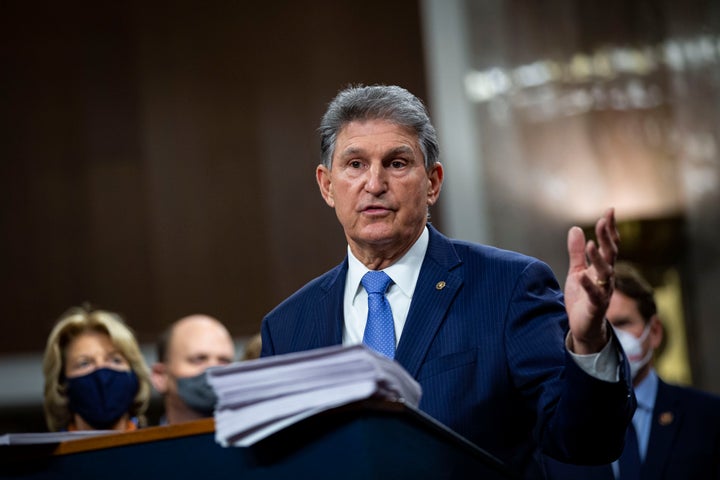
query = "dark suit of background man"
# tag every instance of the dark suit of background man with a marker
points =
(677, 428)
(483, 330)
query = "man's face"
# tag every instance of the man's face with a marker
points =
(197, 345)
(623, 314)
(378, 185)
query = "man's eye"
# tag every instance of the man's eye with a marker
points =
(199, 360)
(355, 164)
(397, 163)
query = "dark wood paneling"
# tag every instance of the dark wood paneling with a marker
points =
(158, 160)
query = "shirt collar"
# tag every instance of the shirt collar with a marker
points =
(404, 273)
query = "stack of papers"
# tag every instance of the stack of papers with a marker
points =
(259, 397)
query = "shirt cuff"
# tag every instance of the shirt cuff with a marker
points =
(604, 365)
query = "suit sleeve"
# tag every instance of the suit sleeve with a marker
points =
(578, 418)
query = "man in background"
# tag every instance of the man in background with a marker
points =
(185, 351)
(675, 430)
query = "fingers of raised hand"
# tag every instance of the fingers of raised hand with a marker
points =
(601, 272)
(608, 237)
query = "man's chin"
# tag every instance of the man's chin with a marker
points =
(377, 235)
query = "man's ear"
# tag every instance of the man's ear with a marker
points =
(435, 180)
(322, 175)
(159, 378)
(656, 332)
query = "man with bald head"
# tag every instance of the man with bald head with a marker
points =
(185, 350)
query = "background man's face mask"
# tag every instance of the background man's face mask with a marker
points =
(633, 347)
(197, 394)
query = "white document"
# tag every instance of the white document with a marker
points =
(259, 397)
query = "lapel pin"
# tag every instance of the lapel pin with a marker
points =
(666, 418)
(440, 285)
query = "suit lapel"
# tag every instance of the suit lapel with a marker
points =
(435, 290)
(666, 420)
(316, 331)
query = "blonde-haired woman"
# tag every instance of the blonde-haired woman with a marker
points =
(95, 375)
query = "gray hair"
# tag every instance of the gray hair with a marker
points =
(377, 102)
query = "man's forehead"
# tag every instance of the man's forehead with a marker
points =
(201, 348)
(622, 305)
(384, 122)
(357, 136)
(393, 150)
(199, 335)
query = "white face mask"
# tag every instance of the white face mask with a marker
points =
(633, 347)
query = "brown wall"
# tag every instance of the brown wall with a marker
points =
(158, 160)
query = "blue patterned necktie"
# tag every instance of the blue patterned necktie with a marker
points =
(629, 462)
(380, 328)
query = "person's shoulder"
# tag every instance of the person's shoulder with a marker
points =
(699, 398)
(469, 251)
(313, 289)
(493, 252)
(700, 408)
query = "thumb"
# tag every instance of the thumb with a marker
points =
(576, 249)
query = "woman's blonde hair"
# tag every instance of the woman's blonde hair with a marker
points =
(70, 325)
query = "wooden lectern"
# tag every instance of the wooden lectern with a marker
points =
(363, 440)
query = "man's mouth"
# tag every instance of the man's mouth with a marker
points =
(375, 209)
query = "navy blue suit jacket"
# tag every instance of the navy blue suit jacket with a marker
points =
(488, 350)
(684, 440)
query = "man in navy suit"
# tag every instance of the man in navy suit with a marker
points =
(677, 429)
(500, 358)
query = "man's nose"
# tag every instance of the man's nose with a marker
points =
(376, 181)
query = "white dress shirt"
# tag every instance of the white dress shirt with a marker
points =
(404, 274)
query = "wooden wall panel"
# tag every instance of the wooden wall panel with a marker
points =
(158, 160)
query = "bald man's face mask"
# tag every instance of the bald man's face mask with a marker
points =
(197, 394)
